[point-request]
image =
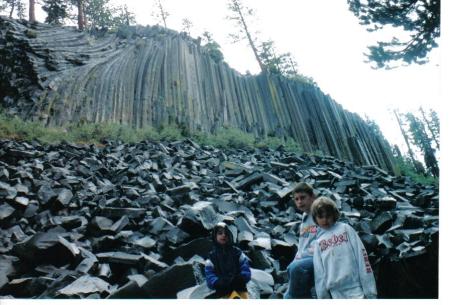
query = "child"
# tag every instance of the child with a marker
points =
(301, 270)
(341, 265)
(227, 268)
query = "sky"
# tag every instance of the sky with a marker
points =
(327, 42)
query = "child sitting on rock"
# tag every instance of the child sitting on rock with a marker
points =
(227, 268)
(341, 265)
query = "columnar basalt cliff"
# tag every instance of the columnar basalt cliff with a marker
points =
(152, 76)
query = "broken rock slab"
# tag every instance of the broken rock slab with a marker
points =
(47, 248)
(6, 268)
(167, 283)
(84, 285)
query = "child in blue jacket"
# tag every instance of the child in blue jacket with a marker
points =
(227, 268)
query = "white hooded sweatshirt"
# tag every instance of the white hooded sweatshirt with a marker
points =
(341, 265)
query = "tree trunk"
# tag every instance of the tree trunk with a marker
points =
(81, 20)
(31, 11)
(163, 13)
(250, 40)
(12, 9)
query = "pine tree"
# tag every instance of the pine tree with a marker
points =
(406, 138)
(57, 11)
(419, 18)
(186, 25)
(432, 124)
(423, 142)
(241, 14)
(123, 16)
(212, 47)
(12, 6)
(160, 13)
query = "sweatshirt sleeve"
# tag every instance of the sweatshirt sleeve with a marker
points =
(300, 243)
(244, 267)
(365, 270)
(210, 274)
(319, 275)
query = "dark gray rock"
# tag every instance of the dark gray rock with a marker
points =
(263, 281)
(381, 223)
(46, 248)
(168, 283)
(386, 203)
(64, 197)
(200, 246)
(6, 211)
(198, 219)
(118, 224)
(46, 194)
(176, 236)
(119, 258)
(115, 213)
(27, 287)
(145, 242)
(130, 290)
(7, 191)
(6, 268)
(85, 285)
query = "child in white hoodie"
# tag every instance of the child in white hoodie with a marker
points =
(341, 265)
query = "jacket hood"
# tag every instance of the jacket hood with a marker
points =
(224, 226)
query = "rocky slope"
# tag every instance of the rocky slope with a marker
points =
(133, 220)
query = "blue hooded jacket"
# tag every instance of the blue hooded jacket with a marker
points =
(225, 263)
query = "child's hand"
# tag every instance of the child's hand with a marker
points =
(238, 283)
(223, 283)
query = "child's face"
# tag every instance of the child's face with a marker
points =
(303, 201)
(221, 237)
(325, 221)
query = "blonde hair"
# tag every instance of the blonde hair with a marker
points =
(324, 206)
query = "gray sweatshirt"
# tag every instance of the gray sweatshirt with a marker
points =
(341, 263)
(308, 235)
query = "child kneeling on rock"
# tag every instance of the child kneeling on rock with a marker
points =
(227, 268)
(341, 265)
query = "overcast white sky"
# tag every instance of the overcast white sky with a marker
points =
(326, 40)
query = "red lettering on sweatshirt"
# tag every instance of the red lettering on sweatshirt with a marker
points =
(366, 261)
(334, 241)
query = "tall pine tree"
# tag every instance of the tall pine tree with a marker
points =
(57, 11)
(423, 142)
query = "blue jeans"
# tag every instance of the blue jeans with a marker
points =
(301, 279)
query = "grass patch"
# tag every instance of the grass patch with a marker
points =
(96, 133)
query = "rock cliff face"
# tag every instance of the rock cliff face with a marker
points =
(152, 76)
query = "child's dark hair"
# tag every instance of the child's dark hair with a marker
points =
(303, 187)
(324, 206)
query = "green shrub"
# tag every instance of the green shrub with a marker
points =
(231, 138)
(406, 168)
(170, 133)
(273, 142)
